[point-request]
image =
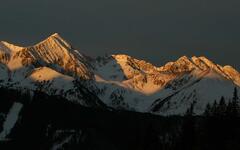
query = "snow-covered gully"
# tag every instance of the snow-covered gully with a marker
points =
(11, 120)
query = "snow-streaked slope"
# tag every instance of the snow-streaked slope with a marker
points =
(45, 75)
(126, 83)
(200, 92)
(11, 120)
(57, 54)
(210, 82)
(131, 73)
(55, 83)
(52, 65)
(129, 83)
(53, 52)
(121, 67)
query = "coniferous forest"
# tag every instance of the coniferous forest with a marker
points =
(46, 121)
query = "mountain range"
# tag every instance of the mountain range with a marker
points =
(119, 82)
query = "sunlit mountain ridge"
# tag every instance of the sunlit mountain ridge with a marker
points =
(119, 81)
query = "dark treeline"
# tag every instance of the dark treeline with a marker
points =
(46, 121)
(223, 109)
(218, 128)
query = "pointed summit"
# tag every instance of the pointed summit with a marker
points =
(200, 63)
(59, 37)
(185, 61)
(55, 35)
(54, 40)
(121, 57)
(183, 64)
(207, 62)
(183, 58)
(55, 52)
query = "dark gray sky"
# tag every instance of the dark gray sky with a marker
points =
(155, 30)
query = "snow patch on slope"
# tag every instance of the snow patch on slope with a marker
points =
(11, 120)
(48, 77)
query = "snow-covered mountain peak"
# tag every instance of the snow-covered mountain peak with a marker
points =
(183, 58)
(54, 41)
(53, 52)
(57, 35)
(226, 71)
(59, 53)
(199, 63)
(136, 64)
(185, 61)
(204, 63)
(183, 64)
(208, 62)
(121, 57)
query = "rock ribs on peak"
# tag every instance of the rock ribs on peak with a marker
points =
(185, 64)
(56, 53)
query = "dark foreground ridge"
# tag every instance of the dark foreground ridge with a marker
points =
(48, 122)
